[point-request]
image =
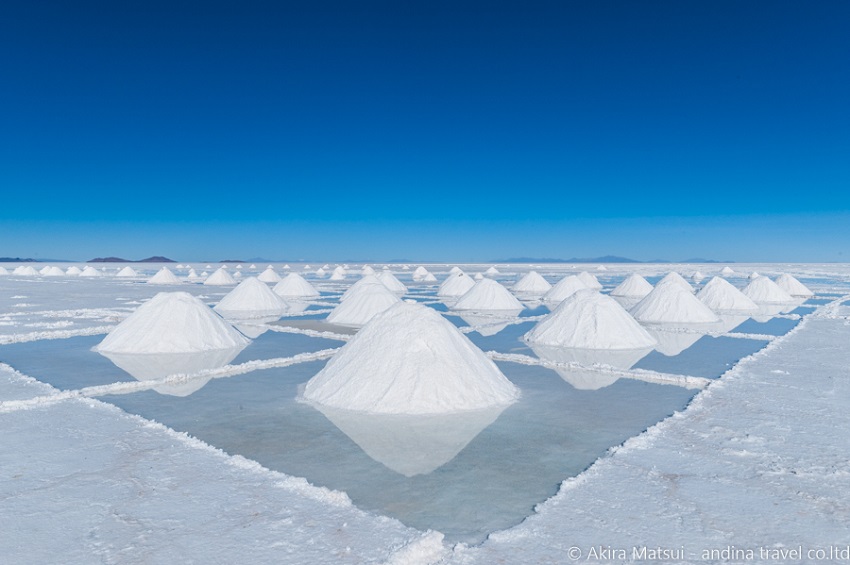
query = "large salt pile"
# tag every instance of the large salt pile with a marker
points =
(127, 272)
(793, 287)
(25, 271)
(90, 271)
(670, 303)
(43, 271)
(635, 286)
(589, 280)
(73, 270)
(488, 294)
(164, 276)
(362, 305)
(762, 290)
(420, 273)
(172, 322)
(220, 278)
(410, 360)
(532, 283)
(565, 288)
(412, 444)
(294, 285)
(456, 284)
(392, 283)
(590, 320)
(676, 278)
(53, 272)
(269, 275)
(251, 299)
(368, 280)
(367, 270)
(719, 295)
(726, 272)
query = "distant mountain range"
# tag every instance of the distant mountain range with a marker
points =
(605, 259)
(154, 259)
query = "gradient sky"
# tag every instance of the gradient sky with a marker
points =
(447, 130)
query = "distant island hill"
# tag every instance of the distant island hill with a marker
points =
(154, 259)
(161, 259)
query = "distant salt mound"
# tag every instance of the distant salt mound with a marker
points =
(410, 360)
(220, 278)
(478, 276)
(172, 322)
(268, 276)
(368, 280)
(753, 275)
(392, 283)
(719, 295)
(670, 303)
(429, 278)
(338, 274)
(43, 271)
(565, 288)
(367, 270)
(697, 277)
(320, 273)
(73, 270)
(488, 294)
(635, 286)
(164, 276)
(676, 278)
(252, 298)
(4, 271)
(53, 272)
(307, 267)
(127, 272)
(532, 283)
(294, 285)
(25, 271)
(793, 287)
(762, 290)
(420, 273)
(590, 320)
(589, 280)
(492, 272)
(455, 270)
(363, 305)
(456, 284)
(90, 271)
(726, 271)
(237, 275)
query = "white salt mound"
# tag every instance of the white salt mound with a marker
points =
(293, 285)
(670, 303)
(589, 280)
(753, 275)
(719, 295)
(54, 272)
(338, 274)
(90, 271)
(456, 284)
(269, 276)
(532, 283)
(429, 278)
(237, 275)
(172, 322)
(635, 286)
(727, 271)
(392, 283)
(320, 273)
(367, 270)
(362, 306)
(4, 271)
(697, 277)
(455, 270)
(762, 290)
(488, 294)
(420, 273)
(491, 272)
(565, 288)
(43, 270)
(164, 276)
(410, 360)
(676, 278)
(793, 287)
(24, 271)
(590, 320)
(220, 278)
(478, 276)
(251, 298)
(368, 280)
(73, 270)
(127, 272)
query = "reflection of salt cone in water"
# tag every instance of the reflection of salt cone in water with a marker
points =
(411, 444)
(671, 342)
(490, 323)
(255, 327)
(729, 322)
(589, 380)
(152, 366)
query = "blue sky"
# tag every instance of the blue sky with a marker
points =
(425, 130)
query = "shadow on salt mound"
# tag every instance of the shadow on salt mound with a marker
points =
(583, 379)
(409, 444)
(410, 360)
(153, 366)
(491, 322)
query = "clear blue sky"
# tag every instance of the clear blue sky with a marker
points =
(425, 129)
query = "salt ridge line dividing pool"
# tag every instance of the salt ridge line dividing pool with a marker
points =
(137, 386)
(57, 334)
(655, 377)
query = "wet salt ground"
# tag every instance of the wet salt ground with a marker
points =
(555, 431)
